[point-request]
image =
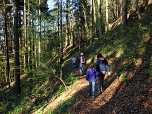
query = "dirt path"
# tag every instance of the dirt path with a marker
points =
(119, 97)
(85, 104)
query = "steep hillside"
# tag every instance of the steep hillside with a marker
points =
(128, 90)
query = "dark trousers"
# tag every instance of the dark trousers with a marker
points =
(100, 80)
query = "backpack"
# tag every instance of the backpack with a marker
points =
(82, 59)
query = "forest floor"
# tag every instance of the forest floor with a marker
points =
(119, 96)
(128, 90)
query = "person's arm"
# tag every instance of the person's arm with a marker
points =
(96, 73)
(107, 65)
(97, 66)
(87, 75)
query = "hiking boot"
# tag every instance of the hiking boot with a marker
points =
(88, 94)
(93, 97)
(100, 92)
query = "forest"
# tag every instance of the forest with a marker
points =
(37, 44)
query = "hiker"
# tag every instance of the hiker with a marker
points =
(81, 62)
(101, 65)
(73, 62)
(91, 75)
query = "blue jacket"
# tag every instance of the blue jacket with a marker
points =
(101, 64)
(91, 74)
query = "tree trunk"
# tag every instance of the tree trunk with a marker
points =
(137, 9)
(61, 43)
(130, 16)
(72, 32)
(6, 37)
(91, 18)
(67, 34)
(95, 16)
(99, 18)
(16, 48)
(124, 15)
(29, 39)
(106, 28)
(25, 39)
(58, 30)
(39, 32)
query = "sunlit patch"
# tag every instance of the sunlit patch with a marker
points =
(138, 63)
(88, 61)
(109, 53)
(141, 51)
(119, 53)
(125, 61)
(147, 37)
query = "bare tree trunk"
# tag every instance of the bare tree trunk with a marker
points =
(39, 32)
(30, 39)
(25, 37)
(99, 18)
(58, 30)
(137, 9)
(85, 17)
(67, 31)
(106, 28)
(16, 46)
(124, 16)
(61, 44)
(6, 36)
(95, 16)
(78, 26)
(91, 18)
(130, 16)
(72, 32)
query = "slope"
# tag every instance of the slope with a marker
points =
(129, 88)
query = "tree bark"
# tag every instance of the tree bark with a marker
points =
(25, 37)
(61, 43)
(99, 18)
(124, 15)
(72, 32)
(91, 22)
(137, 9)
(67, 32)
(6, 36)
(39, 56)
(106, 29)
(16, 48)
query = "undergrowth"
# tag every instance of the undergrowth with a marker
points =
(124, 49)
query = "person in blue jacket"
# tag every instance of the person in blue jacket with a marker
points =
(101, 65)
(91, 77)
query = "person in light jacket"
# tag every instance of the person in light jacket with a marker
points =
(101, 65)
(73, 62)
(91, 77)
(81, 62)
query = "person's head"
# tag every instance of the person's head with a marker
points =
(92, 65)
(81, 53)
(99, 55)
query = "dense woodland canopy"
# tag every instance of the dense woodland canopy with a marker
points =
(31, 33)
